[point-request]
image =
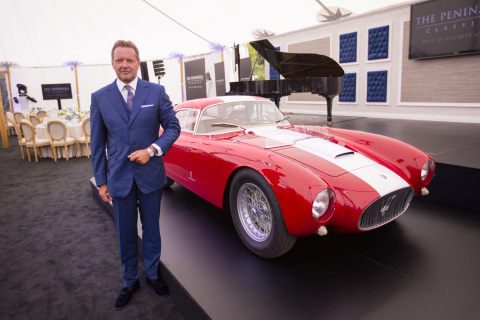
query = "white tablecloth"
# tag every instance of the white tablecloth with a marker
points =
(74, 130)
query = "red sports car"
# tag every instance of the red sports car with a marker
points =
(281, 181)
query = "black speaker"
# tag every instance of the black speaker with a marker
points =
(144, 71)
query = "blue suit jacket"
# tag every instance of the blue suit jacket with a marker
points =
(112, 127)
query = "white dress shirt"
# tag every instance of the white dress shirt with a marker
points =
(121, 87)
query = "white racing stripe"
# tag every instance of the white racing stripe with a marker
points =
(377, 176)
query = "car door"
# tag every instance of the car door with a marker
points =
(175, 159)
(209, 165)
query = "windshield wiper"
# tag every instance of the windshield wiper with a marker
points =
(280, 126)
(281, 120)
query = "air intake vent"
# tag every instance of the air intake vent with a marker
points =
(385, 209)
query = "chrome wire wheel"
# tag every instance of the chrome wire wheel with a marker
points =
(254, 212)
(257, 215)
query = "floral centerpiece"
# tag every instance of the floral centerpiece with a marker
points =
(35, 109)
(71, 114)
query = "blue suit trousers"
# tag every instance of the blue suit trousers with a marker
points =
(126, 215)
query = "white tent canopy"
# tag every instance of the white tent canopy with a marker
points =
(42, 36)
(46, 33)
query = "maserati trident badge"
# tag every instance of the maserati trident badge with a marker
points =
(386, 204)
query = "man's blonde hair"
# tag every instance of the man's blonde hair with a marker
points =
(126, 44)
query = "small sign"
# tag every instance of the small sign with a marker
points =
(57, 91)
(444, 28)
(196, 84)
(220, 79)
(245, 69)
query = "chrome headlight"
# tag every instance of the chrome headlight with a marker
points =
(428, 167)
(324, 201)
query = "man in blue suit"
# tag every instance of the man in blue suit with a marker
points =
(125, 118)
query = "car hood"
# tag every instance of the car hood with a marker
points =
(324, 155)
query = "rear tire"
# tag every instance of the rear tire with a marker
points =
(257, 216)
(169, 183)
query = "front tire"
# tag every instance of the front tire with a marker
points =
(257, 216)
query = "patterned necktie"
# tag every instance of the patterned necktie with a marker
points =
(129, 96)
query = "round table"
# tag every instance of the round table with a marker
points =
(74, 130)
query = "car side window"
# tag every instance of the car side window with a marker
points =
(191, 120)
(182, 118)
(187, 119)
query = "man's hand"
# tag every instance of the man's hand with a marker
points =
(104, 194)
(139, 156)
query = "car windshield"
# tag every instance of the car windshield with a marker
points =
(231, 116)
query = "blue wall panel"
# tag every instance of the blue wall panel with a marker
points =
(349, 92)
(378, 43)
(348, 47)
(377, 86)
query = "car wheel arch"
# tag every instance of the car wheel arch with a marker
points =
(228, 185)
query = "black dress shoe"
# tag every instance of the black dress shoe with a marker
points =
(159, 286)
(125, 295)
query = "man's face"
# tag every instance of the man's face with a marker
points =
(125, 64)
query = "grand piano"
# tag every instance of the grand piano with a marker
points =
(303, 72)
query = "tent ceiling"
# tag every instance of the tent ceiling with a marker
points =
(42, 33)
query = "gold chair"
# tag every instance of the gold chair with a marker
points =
(21, 139)
(31, 140)
(35, 119)
(41, 114)
(45, 119)
(11, 117)
(18, 116)
(58, 133)
(10, 127)
(52, 114)
(28, 120)
(86, 135)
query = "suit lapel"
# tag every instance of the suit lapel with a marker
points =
(117, 100)
(141, 94)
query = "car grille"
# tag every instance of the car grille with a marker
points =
(385, 209)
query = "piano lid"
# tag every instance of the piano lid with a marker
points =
(297, 65)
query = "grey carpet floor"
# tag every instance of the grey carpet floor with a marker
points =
(58, 248)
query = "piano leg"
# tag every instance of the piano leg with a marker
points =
(329, 110)
(277, 101)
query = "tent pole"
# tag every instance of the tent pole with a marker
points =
(3, 122)
(78, 93)
(10, 90)
(181, 78)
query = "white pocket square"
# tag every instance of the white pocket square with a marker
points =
(147, 105)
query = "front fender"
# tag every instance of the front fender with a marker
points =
(400, 157)
(295, 187)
